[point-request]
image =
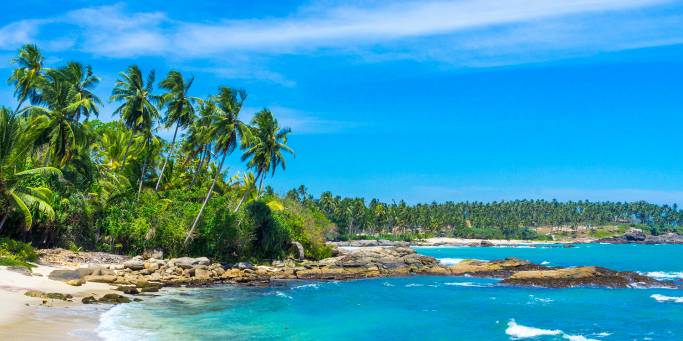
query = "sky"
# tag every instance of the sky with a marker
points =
(469, 100)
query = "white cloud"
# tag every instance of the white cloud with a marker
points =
(306, 123)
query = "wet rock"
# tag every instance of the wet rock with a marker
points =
(75, 282)
(113, 299)
(583, 276)
(486, 243)
(89, 300)
(128, 290)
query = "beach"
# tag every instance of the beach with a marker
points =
(33, 318)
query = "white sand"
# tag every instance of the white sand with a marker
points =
(462, 241)
(19, 314)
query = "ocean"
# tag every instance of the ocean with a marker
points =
(424, 307)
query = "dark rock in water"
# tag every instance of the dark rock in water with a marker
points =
(583, 276)
(635, 236)
(128, 290)
(486, 243)
(113, 299)
(89, 300)
(568, 246)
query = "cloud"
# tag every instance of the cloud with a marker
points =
(472, 33)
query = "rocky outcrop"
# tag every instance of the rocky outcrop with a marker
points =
(369, 243)
(636, 236)
(583, 276)
(496, 268)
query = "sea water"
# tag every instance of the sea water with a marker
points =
(424, 307)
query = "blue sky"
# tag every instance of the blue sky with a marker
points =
(415, 100)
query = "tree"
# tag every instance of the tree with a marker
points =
(179, 109)
(138, 110)
(27, 74)
(228, 131)
(15, 195)
(267, 146)
(83, 82)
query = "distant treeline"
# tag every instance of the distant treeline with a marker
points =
(506, 219)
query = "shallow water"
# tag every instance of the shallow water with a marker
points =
(423, 308)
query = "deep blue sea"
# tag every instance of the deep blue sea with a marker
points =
(424, 308)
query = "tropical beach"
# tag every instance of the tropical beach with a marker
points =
(325, 170)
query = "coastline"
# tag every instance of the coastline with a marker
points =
(32, 318)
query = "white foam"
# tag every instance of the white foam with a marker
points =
(112, 328)
(663, 275)
(663, 298)
(449, 261)
(466, 284)
(545, 262)
(518, 331)
(307, 286)
(387, 284)
(282, 294)
(414, 285)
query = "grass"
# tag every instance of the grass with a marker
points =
(16, 253)
(11, 261)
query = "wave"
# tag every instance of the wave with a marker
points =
(663, 298)
(545, 262)
(467, 284)
(307, 286)
(663, 275)
(112, 328)
(282, 294)
(518, 331)
(414, 285)
(450, 261)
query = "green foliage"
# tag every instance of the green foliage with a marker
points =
(15, 253)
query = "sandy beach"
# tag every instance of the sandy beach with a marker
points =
(32, 318)
(447, 241)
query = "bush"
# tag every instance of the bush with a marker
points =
(15, 253)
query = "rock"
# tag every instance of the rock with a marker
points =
(635, 235)
(75, 282)
(67, 275)
(101, 278)
(128, 290)
(244, 265)
(21, 270)
(155, 253)
(134, 264)
(51, 295)
(89, 300)
(583, 276)
(299, 251)
(151, 266)
(183, 262)
(201, 261)
(34, 293)
(113, 299)
(486, 243)
(496, 268)
(202, 274)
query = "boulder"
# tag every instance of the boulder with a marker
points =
(155, 253)
(202, 274)
(183, 262)
(583, 276)
(113, 299)
(486, 243)
(101, 278)
(134, 264)
(89, 300)
(67, 275)
(75, 282)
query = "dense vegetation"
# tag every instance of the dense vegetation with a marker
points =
(68, 179)
(506, 219)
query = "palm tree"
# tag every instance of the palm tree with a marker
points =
(179, 109)
(150, 143)
(16, 139)
(83, 81)
(138, 110)
(60, 101)
(228, 131)
(265, 151)
(28, 72)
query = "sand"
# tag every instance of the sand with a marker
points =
(29, 318)
(444, 241)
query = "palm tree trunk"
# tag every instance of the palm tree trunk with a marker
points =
(4, 218)
(208, 195)
(142, 176)
(161, 174)
(244, 197)
(125, 155)
(199, 166)
(260, 185)
(21, 101)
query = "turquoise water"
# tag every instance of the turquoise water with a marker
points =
(423, 308)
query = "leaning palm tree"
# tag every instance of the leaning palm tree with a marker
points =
(179, 109)
(16, 195)
(228, 131)
(138, 110)
(83, 81)
(27, 74)
(265, 152)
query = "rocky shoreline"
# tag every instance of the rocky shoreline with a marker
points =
(636, 236)
(139, 275)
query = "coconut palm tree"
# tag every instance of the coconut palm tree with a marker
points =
(16, 139)
(265, 152)
(229, 133)
(138, 110)
(58, 102)
(27, 74)
(83, 81)
(179, 109)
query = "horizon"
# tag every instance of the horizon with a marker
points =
(446, 102)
